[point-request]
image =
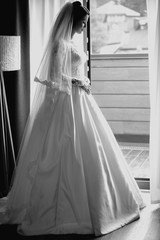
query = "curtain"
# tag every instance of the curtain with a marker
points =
(153, 9)
(42, 15)
(17, 83)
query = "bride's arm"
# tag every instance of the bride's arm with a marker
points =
(53, 76)
(56, 62)
(84, 84)
(58, 77)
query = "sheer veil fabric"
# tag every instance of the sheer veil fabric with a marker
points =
(71, 175)
(57, 48)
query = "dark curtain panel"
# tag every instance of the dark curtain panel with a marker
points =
(14, 21)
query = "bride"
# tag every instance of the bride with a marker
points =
(71, 175)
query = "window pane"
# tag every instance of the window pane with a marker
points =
(118, 27)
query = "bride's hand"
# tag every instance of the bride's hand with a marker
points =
(86, 88)
(77, 82)
(49, 84)
(84, 84)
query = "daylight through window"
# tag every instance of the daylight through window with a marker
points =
(118, 26)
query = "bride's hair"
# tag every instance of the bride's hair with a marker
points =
(78, 12)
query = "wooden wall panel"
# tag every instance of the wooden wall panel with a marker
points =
(122, 101)
(120, 87)
(129, 128)
(101, 61)
(126, 114)
(118, 73)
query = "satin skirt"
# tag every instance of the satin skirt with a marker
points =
(71, 175)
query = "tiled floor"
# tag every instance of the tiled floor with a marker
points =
(138, 159)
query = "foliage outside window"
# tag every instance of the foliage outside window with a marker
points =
(118, 26)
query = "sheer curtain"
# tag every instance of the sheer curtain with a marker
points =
(42, 14)
(153, 9)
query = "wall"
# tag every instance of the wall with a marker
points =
(121, 88)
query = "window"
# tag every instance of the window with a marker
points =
(118, 47)
(118, 26)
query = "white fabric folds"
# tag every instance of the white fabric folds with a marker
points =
(72, 176)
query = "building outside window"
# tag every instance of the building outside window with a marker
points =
(118, 26)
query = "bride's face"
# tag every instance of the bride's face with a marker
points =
(81, 25)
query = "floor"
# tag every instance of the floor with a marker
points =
(146, 228)
(137, 157)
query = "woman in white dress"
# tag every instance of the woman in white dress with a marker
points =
(71, 175)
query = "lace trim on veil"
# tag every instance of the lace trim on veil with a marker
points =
(56, 74)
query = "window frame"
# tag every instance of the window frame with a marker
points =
(143, 183)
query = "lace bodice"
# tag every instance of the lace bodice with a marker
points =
(78, 59)
(62, 69)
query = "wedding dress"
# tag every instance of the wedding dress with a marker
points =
(72, 177)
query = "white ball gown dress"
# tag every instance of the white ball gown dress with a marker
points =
(72, 176)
